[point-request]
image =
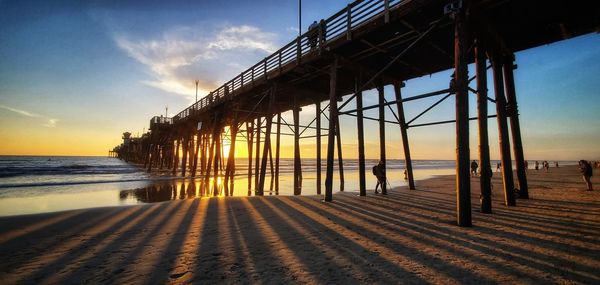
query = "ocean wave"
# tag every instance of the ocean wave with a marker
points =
(75, 169)
(83, 182)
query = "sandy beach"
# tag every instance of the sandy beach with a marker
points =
(405, 237)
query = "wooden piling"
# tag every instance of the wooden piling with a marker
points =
(257, 158)
(203, 156)
(250, 136)
(504, 140)
(382, 155)
(463, 184)
(482, 121)
(176, 158)
(515, 127)
(404, 133)
(297, 161)
(338, 134)
(277, 150)
(318, 147)
(266, 145)
(361, 139)
(230, 168)
(186, 144)
(217, 160)
(196, 153)
(333, 116)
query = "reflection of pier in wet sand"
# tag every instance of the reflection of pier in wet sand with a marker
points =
(405, 237)
(176, 189)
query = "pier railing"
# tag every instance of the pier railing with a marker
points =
(341, 24)
(160, 120)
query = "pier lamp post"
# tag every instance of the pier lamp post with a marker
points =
(196, 90)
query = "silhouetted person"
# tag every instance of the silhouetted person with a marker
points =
(556, 164)
(586, 171)
(379, 172)
(537, 165)
(313, 34)
(498, 165)
(546, 165)
(474, 167)
(405, 175)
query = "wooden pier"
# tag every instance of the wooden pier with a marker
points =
(368, 45)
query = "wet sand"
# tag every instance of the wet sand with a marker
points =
(405, 237)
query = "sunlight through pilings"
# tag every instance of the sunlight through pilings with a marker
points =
(18, 232)
(320, 242)
(60, 255)
(507, 248)
(446, 241)
(187, 259)
(106, 242)
(279, 247)
(138, 244)
(395, 264)
(170, 240)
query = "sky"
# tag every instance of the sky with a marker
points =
(75, 75)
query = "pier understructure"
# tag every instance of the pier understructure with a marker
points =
(368, 45)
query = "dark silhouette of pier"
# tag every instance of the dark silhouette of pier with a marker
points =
(368, 45)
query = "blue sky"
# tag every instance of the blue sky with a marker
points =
(75, 74)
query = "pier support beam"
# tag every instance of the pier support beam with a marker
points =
(250, 136)
(186, 144)
(205, 144)
(404, 133)
(333, 116)
(277, 148)
(257, 158)
(217, 160)
(318, 125)
(382, 156)
(482, 121)
(463, 184)
(297, 161)
(361, 138)
(176, 158)
(266, 146)
(230, 168)
(507, 174)
(196, 152)
(338, 134)
(513, 113)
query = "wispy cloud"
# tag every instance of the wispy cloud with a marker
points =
(20, 112)
(49, 122)
(184, 54)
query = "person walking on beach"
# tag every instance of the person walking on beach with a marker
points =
(537, 165)
(379, 172)
(586, 171)
(474, 167)
(498, 165)
(546, 166)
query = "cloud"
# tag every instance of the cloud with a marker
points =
(20, 112)
(185, 54)
(51, 123)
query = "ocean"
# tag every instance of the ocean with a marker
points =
(37, 184)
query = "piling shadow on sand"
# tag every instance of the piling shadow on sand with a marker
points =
(405, 237)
